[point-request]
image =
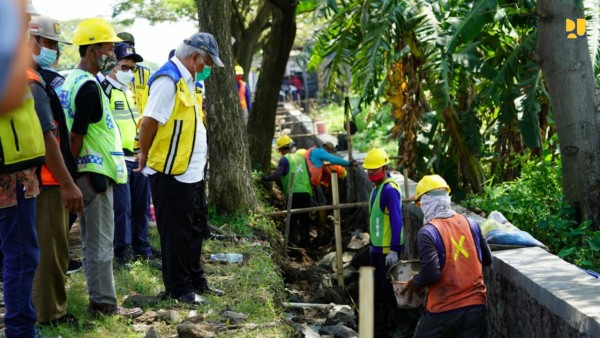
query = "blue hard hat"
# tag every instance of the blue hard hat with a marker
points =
(125, 51)
(207, 42)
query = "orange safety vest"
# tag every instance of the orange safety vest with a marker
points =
(461, 282)
(315, 173)
(242, 94)
(328, 169)
(46, 176)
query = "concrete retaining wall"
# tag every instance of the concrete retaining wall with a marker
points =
(532, 293)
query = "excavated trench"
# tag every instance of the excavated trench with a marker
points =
(316, 305)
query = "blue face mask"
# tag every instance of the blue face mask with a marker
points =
(46, 58)
(204, 74)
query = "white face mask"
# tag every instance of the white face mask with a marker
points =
(124, 77)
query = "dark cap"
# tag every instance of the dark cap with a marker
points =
(126, 37)
(206, 42)
(330, 146)
(125, 51)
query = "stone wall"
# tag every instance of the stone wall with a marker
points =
(532, 293)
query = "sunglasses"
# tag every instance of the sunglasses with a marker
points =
(126, 68)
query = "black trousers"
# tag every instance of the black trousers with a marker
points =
(386, 308)
(181, 222)
(467, 322)
(300, 223)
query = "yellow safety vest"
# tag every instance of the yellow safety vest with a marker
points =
(173, 145)
(21, 138)
(102, 151)
(124, 111)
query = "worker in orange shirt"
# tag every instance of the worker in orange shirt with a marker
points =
(243, 93)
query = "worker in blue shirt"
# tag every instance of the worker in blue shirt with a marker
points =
(387, 241)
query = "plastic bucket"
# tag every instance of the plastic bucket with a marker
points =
(400, 274)
(321, 127)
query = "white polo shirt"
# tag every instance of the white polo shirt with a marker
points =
(160, 107)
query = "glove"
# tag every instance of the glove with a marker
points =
(391, 258)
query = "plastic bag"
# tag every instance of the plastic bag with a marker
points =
(498, 230)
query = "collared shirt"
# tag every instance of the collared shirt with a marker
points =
(8, 184)
(117, 84)
(160, 107)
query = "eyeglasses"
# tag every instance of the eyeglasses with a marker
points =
(127, 68)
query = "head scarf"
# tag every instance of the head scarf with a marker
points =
(436, 206)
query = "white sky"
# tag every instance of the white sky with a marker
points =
(153, 43)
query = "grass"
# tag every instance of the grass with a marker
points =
(254, 287)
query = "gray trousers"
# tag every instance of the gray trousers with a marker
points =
(97, 225)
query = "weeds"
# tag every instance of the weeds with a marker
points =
(535, 203)
(254, 287)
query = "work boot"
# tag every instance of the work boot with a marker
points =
(74, 266)
(110, 309)
(124, 257)
(206, 289)
(192, 298)
(203, 288)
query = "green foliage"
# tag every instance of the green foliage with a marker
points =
(155, 10)
(534, 203)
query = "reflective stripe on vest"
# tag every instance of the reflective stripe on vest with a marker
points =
(21, 138)
(461, 282)
(315, 173)
(242, 94)
(140, 87)
(102, 151)
(172, 147)
(122, 106)
(379, 221)
(297, 165)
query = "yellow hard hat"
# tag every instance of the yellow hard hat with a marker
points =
(239, 70)
(376, 158)
(283, 141)
(301, 151)
(429, 183)
(93, 31)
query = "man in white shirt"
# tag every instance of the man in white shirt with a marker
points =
(173, 153)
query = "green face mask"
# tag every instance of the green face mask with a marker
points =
(204, 74)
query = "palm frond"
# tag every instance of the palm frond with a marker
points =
(466, 26)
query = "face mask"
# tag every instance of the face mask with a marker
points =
(377, 177)
(204, 74)
(46, 58)
(124, 77)
(105, 63)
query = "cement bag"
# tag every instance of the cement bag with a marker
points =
(499, 231)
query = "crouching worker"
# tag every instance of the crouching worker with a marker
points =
(302, 190)
(387, 242)
(452, 252)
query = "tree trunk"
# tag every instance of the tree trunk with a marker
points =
(261, 123)
(568, 71)
(230, 179)
(247, 38)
